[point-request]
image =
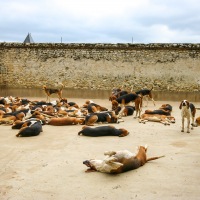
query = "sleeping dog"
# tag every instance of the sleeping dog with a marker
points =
(103, 131)
(30, 128)
(102, 117)
(117, 162)
(197, 122)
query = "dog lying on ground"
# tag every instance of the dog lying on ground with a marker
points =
(117, 162)
(129, 110)
(18, 124)
(146, 93)
(50, 91)
(166, 107)
(164, 119)
(103, 131)
(124, 100)
(197, 122)
(30, 128)
(102, 117)
(65, 121)
(188, 111)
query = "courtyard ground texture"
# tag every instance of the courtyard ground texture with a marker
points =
(50, 166)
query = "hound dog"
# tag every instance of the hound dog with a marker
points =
(30, 128)
(129, 110)
(124, 100)
(18, 124)
(116, 93)
(146, 93)
(188, 111)
(50, 91)
(93, 108)
(103, 131)
(197, 122)
(164, 119)
(62, 121)
(117, 162)
(102, 117)
(20, 114)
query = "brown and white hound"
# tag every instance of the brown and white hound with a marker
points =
(117, 162)
(50, 91)
(188, 111)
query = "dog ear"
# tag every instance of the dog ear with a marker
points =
(188, 105)
(180, 107)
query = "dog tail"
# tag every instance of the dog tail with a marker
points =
(154, 158)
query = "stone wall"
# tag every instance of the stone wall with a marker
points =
(173, 67)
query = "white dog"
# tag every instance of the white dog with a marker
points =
(188, 111)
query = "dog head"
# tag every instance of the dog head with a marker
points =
(124, 132)
(197, 122)
(171, 119)
(114, 104)
(108, 165)
(184, 103)
(44, 87)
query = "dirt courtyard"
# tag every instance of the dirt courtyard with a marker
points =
(50, 166)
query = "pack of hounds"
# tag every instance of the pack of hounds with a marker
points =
(29, 117)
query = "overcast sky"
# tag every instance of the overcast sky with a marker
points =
(100, 21)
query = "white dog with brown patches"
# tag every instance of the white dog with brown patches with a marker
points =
(117, 162)
(188, 111)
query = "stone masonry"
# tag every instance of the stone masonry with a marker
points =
(166, 67)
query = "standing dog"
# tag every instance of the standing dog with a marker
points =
(126, 100)
(188, 111)
(50, 91)
(146, 93)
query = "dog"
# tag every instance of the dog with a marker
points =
(102, 117)
(116, 93)
(166, 107)
(117, 162)
(93, 108)
(188, 111)
(146, 93)
(103, 131)
(62, 121)
(164, 119)
(30, 128)
(197, 122)
(124, 100)
(129, 110)
(50, 91)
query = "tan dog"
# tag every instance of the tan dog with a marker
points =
(50, 91)
(197, 122)
(65, 121)
(164, 119)
(119, 161)
(188, 111)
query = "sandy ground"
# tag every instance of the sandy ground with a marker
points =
(49, 166)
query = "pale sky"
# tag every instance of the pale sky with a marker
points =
(100, 21)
